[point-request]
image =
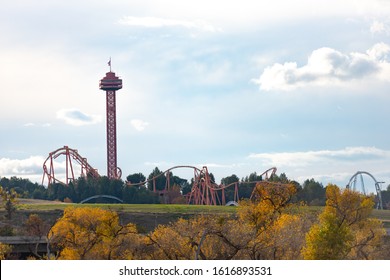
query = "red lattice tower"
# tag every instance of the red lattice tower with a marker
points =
(110, 84)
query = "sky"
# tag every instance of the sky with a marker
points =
(237, 86)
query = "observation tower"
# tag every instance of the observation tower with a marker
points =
(110, 84)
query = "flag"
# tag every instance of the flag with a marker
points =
(109, 62)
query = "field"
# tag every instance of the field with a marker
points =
(129, 208)
(147, 215)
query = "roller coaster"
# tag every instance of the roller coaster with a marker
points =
(67, 169)
(203, 192)
(357, 183)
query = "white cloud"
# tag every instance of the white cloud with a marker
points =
(156, 22)
(77, 118)
(139, 125)
(380, 27)
(377, 27)
(304, 159)
(327, 66)
(30, 124)
(21, 167)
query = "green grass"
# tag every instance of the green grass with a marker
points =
(136, 208)
(383, 215)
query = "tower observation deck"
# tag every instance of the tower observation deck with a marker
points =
(110, 84)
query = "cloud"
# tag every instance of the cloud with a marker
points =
(379, 27)
(139, 125)
(155, 22)
(304, 159)
(21, 167)
(77, 118)
(327, 66)
(30, 124)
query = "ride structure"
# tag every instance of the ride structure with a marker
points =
(110, 84)
(357, 181)
(204, 191)
(75, 166)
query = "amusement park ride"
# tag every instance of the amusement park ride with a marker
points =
(204, 191)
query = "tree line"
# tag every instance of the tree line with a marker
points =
(310, 192)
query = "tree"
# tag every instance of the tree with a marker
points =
(93, 233)
(9, 200)
(158, 180)
(313, 193)
(35, 226)
(202, 237)
(386, 198)
(345, 229)
(5, 249)
(136, 178)
(174, 196)
(247, 184)
(276, 233)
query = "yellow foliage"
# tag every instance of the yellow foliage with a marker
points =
(5, 249)
(92, 233)
(275, 233)
(344, 230)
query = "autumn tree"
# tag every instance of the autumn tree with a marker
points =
(202, 237)
(36, 227)
(93, 233)
(263, 229)
(345, 229)
(276, 232)
(5, 249)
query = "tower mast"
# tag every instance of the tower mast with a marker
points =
(110, 84)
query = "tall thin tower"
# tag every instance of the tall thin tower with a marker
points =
(110, 84)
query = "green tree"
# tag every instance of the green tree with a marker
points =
(386, 198)
(313, 193)
(157, 181)
(8, 198)
(136, 178)
(230, 180)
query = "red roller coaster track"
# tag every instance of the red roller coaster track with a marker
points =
(204, 191)
(71, 157)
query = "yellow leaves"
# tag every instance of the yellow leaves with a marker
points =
(344, 230)
(90, 233)
(348, 205)
(170, 244)
(5, 249)
(275, 195)
(327, 240)
(270, 200)
(276, 234)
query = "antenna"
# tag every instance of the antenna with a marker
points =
(109, 63)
